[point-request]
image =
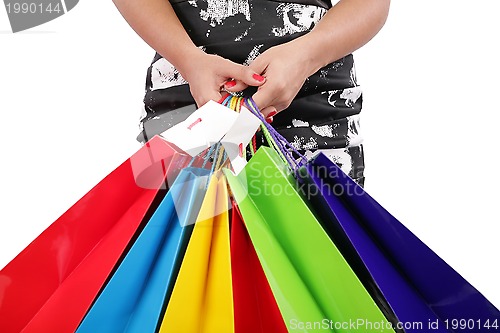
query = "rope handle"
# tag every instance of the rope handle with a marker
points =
(287, 152)
(284, 148)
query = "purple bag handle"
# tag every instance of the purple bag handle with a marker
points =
(279, 143)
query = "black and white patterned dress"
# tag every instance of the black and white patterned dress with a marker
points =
(324, 116)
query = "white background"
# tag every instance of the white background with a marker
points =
(71, 92)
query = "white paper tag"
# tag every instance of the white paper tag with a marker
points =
(202, 128)
(238, 137)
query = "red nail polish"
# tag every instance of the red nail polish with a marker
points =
(269, 120)
(258, 77)
(230, 84)
(272, 114)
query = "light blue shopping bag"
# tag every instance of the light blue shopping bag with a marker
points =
(134, 297)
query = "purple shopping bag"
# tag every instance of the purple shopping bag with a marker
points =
(422, 290)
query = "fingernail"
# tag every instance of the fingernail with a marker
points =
(258, 77)
(269, 120)
(230, 84)
(272, 114)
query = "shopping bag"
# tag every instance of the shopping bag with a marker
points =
(133, 299)
(418, 285)
(202, 299)
(314, 287)
(50, 285)
(255, 308)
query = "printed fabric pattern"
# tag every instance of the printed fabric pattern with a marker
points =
(325, 113)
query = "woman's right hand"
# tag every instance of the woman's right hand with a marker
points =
(207, 74)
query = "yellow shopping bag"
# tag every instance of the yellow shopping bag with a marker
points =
(202, 298)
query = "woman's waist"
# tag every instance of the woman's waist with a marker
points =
(338, 77)
(314, 106)
(250, 26)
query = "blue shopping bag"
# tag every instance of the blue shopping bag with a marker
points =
(419, 286)
(134, 297)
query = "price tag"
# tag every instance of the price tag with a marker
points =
(238, 137)
(204, 127)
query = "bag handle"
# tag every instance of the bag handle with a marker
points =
(284, 148)
(288, 153)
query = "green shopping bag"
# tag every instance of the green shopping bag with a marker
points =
(314, 287)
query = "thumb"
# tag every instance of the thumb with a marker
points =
(243, 76)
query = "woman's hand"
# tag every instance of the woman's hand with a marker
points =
(207, 74)
(285, 67)
(347, 26)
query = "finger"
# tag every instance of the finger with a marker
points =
(245, 75)
(259, 65)
(235, 85)
(269, 112)
(202, 98)
(214, 96)
(263, 98)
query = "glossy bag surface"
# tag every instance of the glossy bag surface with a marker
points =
(202, 298)
(255, 308)
(60, 273)
(417, 283)
(133, 299)
(314, 287)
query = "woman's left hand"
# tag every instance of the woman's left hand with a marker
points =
(347, 26)
(285, 67)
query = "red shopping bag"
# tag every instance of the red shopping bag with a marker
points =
(255, 308)
(51, 284)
